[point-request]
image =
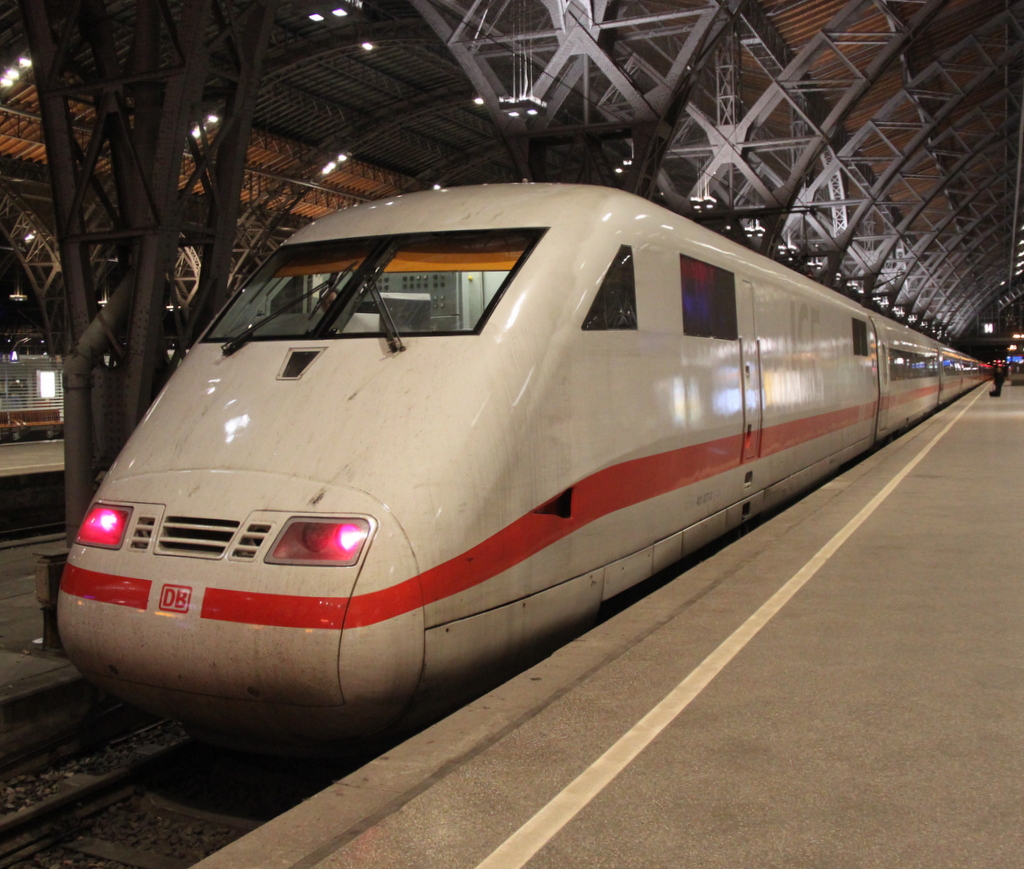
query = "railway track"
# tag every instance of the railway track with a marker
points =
(59, 817)
(33, 505)
(153, 800)
(29, 534)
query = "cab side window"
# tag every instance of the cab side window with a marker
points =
(709, 300)
(860, 338)
(614, 305)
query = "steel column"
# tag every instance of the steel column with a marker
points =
(118, 187)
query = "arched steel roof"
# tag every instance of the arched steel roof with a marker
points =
(871, 143)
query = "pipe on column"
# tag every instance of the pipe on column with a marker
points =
(79, 474)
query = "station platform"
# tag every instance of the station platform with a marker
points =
(41, 694)
(842, 686)
(31, 457)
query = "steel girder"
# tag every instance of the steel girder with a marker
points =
(892, 176)
(841, 64)
(788, 148)
(978, 211)
(898, 219)
(35, 250)
(291, 50)
(925, 137)
(859, 191)
(576, 92)
(177, 103)
(999, 305)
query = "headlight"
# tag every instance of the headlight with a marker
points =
(104, 526)
(332, 541)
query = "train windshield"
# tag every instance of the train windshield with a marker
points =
(427, 284)
(290, 297)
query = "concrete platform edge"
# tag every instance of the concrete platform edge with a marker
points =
(41, 707)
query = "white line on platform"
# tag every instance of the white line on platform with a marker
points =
(515, 851)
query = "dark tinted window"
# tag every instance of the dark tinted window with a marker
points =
(709, 300)
(860, 338)
(614, 306)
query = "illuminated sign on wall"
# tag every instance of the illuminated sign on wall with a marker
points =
(47, 384)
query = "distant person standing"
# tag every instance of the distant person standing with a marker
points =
(998, 378)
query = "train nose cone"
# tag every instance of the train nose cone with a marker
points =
(191, 621)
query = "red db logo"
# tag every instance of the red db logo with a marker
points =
(175, 598)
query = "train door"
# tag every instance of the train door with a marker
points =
(882, 351)
(750, 372)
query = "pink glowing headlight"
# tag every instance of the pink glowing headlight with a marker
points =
(104, 526)
(321, 541)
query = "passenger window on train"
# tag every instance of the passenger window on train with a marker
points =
(614, 306)
(908, 365)
(860, 338)
(709, 300)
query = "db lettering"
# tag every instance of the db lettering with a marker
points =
(175, 598)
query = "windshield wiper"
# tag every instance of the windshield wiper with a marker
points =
(394, 340)
(242, 338)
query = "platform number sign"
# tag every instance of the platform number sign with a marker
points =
(175, 598)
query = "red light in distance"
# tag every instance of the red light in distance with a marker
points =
(104, 526)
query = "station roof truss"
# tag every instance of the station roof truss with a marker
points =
(872, 144)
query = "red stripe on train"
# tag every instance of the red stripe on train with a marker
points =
(106, 588)
(612, 489)
(277, 610)
(897, 398)
(784, 436)
(594, 497)
(254, 608)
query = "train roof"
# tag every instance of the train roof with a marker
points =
(474, 207)
(547, 205)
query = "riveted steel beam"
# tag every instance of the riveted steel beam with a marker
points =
(916, 141)
(548, 72)
(35, 249)
(177, 104)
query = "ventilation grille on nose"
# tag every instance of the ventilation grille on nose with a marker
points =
(251, 541)
(143, 533)
(194, 537)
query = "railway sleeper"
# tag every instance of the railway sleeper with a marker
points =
(126, 854)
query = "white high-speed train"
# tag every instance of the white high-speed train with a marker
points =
(436, 432)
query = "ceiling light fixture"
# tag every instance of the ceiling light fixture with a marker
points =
(514, 106)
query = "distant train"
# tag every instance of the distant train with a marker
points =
(436, 432)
